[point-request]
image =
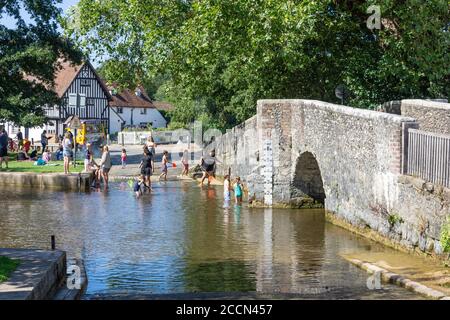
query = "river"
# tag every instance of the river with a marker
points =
(181, 239)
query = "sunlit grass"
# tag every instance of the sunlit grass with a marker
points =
(7, 266)
(28, 166)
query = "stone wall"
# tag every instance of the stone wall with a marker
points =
(433, 116)
(419, 212)
(346, 158)
(239, 150)
(74, 182)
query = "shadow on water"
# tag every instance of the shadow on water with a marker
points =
(182, 239)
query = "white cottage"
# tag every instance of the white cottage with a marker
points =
(133, 109)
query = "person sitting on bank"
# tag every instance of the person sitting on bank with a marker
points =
(46, 156)
(34, 154)
(59, 153)
(26, 145)
(22, 155)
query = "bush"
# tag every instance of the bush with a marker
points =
(445, 235)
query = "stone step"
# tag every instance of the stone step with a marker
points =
(66, 293)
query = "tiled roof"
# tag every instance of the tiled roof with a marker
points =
(162, 105)
(66, 73)
(129, 99)
(65, 76)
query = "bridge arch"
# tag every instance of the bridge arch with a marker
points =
(307, 184)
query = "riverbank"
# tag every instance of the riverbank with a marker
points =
(427, 279)
(37, 277)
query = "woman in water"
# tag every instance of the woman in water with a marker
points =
(105, 165)
(146, 167)
(151, 145)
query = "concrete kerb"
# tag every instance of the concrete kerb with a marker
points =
(399, 280)
(37, 277)
(57, 181)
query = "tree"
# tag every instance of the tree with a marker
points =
(28, 60)
(224, 55)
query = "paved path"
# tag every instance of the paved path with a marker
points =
(134, 155)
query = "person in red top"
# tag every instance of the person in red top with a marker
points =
(26, 145)
(123, 157)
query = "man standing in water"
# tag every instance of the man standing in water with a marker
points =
(208, 165)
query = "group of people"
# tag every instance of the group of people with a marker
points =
(147, 167)
(207, 164)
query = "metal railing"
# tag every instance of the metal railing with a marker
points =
(429, 156)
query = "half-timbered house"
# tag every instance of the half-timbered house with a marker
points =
(82, 93)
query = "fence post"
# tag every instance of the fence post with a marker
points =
(405, 144)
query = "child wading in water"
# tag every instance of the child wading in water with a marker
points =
(165, 161)
(123, 157)
(185, 162)
(139, 186)
(226, 190)
(238, 191)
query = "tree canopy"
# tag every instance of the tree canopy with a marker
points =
(220, 57)
(29, 51)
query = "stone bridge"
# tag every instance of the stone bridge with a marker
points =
(304, 153)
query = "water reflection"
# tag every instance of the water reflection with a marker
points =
(184, 238)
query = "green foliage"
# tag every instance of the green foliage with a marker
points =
(6, 267)
(445, 236)
(221, 56)
(30, 49)
(394, 219)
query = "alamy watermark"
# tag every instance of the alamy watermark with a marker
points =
(73, 277)
(374, 281)
(374, 20)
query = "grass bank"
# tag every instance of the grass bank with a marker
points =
(28, 166)
(7, 266)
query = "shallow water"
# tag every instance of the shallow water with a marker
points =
(180, 239)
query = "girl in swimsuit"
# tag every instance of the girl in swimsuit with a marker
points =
(165, 161)
(238, 191)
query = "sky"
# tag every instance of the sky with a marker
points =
(8, 22)
(64, 5)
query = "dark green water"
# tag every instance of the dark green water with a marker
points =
(180, 239)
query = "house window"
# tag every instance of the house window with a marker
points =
(90, 102)
(119, 110)
(82, 103)
(143, 111)
(85, 82)
(72, 103)
(77, 101)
